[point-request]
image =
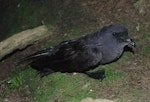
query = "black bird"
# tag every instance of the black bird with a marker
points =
(84, 53)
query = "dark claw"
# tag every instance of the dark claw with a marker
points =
(100, 75)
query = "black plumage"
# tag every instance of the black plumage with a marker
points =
(84, 53)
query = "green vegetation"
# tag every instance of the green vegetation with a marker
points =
(60, 86)
(26, 16)
(147, 50)
(16, 81)
(50, 43)
(76, 31)
(138, 3)
(19, 78)
(112, 74)
(147, 36)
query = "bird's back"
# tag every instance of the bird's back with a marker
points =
(69, 56)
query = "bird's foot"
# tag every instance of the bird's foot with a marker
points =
(100, 75)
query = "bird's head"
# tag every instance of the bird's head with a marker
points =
(119, 34)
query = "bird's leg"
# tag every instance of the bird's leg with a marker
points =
(100, 75)
(45, 72)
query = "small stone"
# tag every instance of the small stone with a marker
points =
(74, 73)
(6, 100)
(91, 90)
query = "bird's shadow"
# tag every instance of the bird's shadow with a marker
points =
(129, 49)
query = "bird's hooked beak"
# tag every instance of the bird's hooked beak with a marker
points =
(131, 44)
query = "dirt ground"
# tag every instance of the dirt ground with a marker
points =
(133, 13)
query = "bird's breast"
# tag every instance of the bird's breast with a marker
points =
(110, 54)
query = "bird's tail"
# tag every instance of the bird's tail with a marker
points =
(34, 56)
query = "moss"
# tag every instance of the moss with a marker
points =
(147, 50)
(147, 36)
(59, 86)
(75, 30)
(19, 78)
(138, 3)
(112, 74)
(26, 16)
(50, 43)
